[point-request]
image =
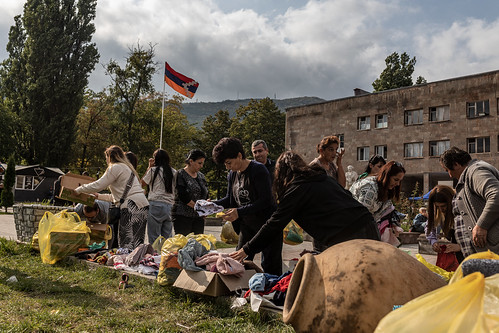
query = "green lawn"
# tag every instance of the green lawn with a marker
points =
(71, 297)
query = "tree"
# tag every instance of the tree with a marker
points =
(260, 119)
(129, 87)
(214, 128)
(7, 197)
(398, 72)
(50, 58)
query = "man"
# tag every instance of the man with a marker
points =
(98, 213)
(476, 202)
(94, 214)
(260, 153)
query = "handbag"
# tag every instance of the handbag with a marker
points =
(113, 216)
(447, 261)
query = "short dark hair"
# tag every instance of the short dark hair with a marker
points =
(454, 155)
(326, 142)
(259, 142)
(90, 209)
(195, 154)
(227, 148)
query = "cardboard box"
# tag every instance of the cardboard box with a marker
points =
(212, 284)
(99, 232)
(69, 182)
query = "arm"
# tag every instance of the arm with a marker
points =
(260, 179)
(107, 179)
(286, 209)
(342, 180)
(225, 201)
(147, 176)
(486, 185)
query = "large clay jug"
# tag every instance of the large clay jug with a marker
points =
(351, 286)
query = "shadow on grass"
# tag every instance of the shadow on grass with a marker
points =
(55, 290)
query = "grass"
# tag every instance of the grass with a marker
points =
(71, 297)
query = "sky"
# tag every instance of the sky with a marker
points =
(290, 48)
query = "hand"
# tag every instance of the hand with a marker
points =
(96, 195)
(451, 247)
(339, 155)
(231, 215)
(479, 236)
(151, 162)
(238, 255)
(436, 247)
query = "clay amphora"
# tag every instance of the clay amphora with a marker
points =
(351, 286)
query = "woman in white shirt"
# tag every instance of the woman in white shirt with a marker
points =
(134, 208)
(159, 178)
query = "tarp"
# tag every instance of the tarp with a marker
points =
(424, 197)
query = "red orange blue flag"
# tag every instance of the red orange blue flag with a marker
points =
(180, 83)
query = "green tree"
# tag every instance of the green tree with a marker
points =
(130, 85)
(7, 196)
(260, 119)
(50, 58)
(7, 142)
(214, 128)
(93, 134)
(398, 72)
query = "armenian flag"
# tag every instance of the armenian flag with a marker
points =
(180, 83)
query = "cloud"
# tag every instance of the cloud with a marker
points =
(463, 48)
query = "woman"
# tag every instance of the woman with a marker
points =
(249, 199)
(159, 178)
(123, 182)
(190, 186)
(375, 164)
(377, 194)
(440, 217)
(322, 207)
(328, 152)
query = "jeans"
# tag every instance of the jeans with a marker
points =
(159, 220)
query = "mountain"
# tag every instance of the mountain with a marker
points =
(197, 112)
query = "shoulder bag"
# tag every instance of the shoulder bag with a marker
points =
(113, 216)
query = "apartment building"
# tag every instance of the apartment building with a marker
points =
(412, 125)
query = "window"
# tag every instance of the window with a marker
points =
(381, 151)
(477, 109)
(28, 182)
(341, 137)
(363, 153)
(382, 120)
(413, 149)
(478, 145)
(364, 123)
(439, 113)
(413, 117)
(437, 148)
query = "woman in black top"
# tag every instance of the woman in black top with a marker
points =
(249, 199)
(322, 207)
(190, 186)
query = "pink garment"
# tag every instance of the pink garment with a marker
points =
(220, 262)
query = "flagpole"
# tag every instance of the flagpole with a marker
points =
(162, 114)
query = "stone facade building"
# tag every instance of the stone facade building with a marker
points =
(412, 125)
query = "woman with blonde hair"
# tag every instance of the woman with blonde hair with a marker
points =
(441, 220)
(123, 182)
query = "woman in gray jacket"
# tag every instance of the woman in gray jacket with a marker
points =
(476, 203)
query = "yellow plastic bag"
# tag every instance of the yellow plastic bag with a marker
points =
(228, 235)
(292, 234)
(480, 255)
(173, 244)
(60, 235)
(468, 305)
(207, 240)
(435, 269)
(158, 244)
